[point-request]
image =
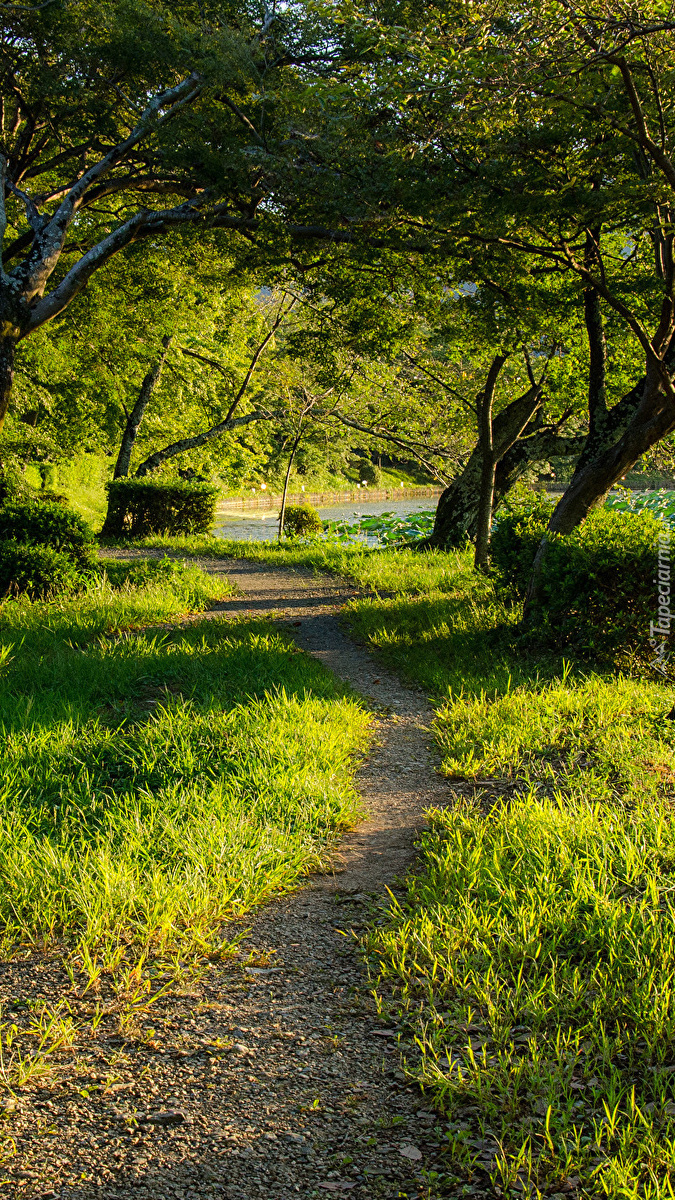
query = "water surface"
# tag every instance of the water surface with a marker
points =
(260, 524)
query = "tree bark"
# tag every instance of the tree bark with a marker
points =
(200, 439)
(617, 438)
(457, 512)
(7, 357)
(137, 413)
(230, 422)
(488, 465)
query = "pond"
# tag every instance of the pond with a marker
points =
(255, 524)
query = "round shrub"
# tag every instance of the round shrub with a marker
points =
(36, 571)
(368, 472)
(302, 520)
(47, 524)
(597, 591)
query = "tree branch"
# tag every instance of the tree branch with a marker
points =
(191, 443)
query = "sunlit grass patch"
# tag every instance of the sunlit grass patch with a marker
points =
(395, 571)
(534, 958)
(605, 735)
(156, 785)
(111, 604)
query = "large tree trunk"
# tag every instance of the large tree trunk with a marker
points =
(457, 511)
(617, 438)
(653, 419)
(137, 413)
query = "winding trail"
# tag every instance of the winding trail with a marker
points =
(312, 1100)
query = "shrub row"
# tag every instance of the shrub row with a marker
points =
(44, 548)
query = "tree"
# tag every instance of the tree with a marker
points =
(229, 421)
(535, 140)
(123, 123)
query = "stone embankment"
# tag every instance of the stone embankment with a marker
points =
(322, 499)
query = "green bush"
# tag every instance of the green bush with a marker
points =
(597, 593)
(368, 472)
(139, 507)
(302, 520)
(48, 525)
(36, 571)
(517, 532)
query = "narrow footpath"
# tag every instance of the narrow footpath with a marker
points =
(312, 1099)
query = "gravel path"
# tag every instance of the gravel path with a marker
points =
(311, 1099)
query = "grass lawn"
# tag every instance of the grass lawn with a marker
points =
(533, 958)
(156, 784)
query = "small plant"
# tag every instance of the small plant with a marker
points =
(138, 507)
(302, 520)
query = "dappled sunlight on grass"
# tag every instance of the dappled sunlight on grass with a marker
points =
(382, 570)
(156, 785)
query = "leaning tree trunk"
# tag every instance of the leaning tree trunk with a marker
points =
(137, 413)
(617, 437)
(134, 419)
(653, 420)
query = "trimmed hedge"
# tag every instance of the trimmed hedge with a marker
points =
(301, 520)
(36, 571)
(138, 507)
(597, 591)
(51, 525)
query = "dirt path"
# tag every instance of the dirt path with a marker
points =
(312, 1100)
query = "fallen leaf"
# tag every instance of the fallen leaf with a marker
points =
(409, 1151)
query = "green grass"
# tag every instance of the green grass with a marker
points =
(397, 571)
(532, 959)
(111, 602)
(156, 785)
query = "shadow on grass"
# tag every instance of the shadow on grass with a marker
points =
(118, 679)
